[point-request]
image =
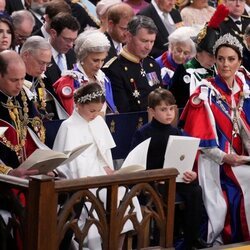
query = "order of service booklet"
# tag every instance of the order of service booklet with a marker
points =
(46, 160)
(136, 159)
(180, 154)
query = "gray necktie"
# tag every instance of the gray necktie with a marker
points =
(170, 27)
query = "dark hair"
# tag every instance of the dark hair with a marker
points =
(119, 11)
(5, 18)
(55, 7)
(93, 91)
(138, 22)
(62, 21)
(158, 95)
(3, 65)
(235, 48)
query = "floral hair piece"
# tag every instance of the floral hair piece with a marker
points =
(90, 97)
(230, 40)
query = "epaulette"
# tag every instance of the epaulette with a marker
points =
(109, 62)
(245, 16)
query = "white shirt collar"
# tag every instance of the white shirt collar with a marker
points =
(45, 33)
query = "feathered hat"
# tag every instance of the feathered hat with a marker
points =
(209, 34)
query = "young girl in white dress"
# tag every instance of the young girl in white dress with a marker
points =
(84, 126)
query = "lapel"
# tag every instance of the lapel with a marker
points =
(70, 59)
(158, 22)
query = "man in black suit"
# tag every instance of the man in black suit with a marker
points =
(23, 23)
(133, 74)
(15, 5)
(118, 17)
(63, 32)
(51, 9)
(166, 19)
(236, 22)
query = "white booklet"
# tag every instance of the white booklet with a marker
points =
(136, 159)
(46, 160)
(2, 130)
(180, 154)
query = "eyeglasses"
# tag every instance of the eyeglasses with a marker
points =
(68, 40)
(21, 37)
(44, 64)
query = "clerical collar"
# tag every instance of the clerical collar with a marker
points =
(129, 56)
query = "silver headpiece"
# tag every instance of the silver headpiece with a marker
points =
(89, 97)
(228, 39)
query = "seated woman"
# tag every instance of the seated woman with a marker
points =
(91, 48)
(7, 35)
(196, 12)
(218, 113)
(181, 48)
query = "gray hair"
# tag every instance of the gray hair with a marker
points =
(90, 41)
(34, 43)
(138, 22)
(19, 16)
(182, 35)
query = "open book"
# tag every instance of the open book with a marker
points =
(130, 169)
(136, 159)
(180, 154)
(46, 160)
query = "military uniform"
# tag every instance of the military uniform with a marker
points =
(16, 144)
(132, 80)
(45, 105)
(186, 78)
(229, 26)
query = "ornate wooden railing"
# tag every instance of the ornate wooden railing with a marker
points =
(53, 207)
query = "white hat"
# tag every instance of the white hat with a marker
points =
(103, 5)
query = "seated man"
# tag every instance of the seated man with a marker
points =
(133, 74)
(24, 133)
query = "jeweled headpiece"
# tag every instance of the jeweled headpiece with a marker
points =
(90, 97)
(230, 40)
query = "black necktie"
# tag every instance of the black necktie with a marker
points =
(238, 22)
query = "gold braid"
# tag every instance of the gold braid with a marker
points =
(20, 118)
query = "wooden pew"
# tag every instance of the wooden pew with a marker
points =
(47, 219)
